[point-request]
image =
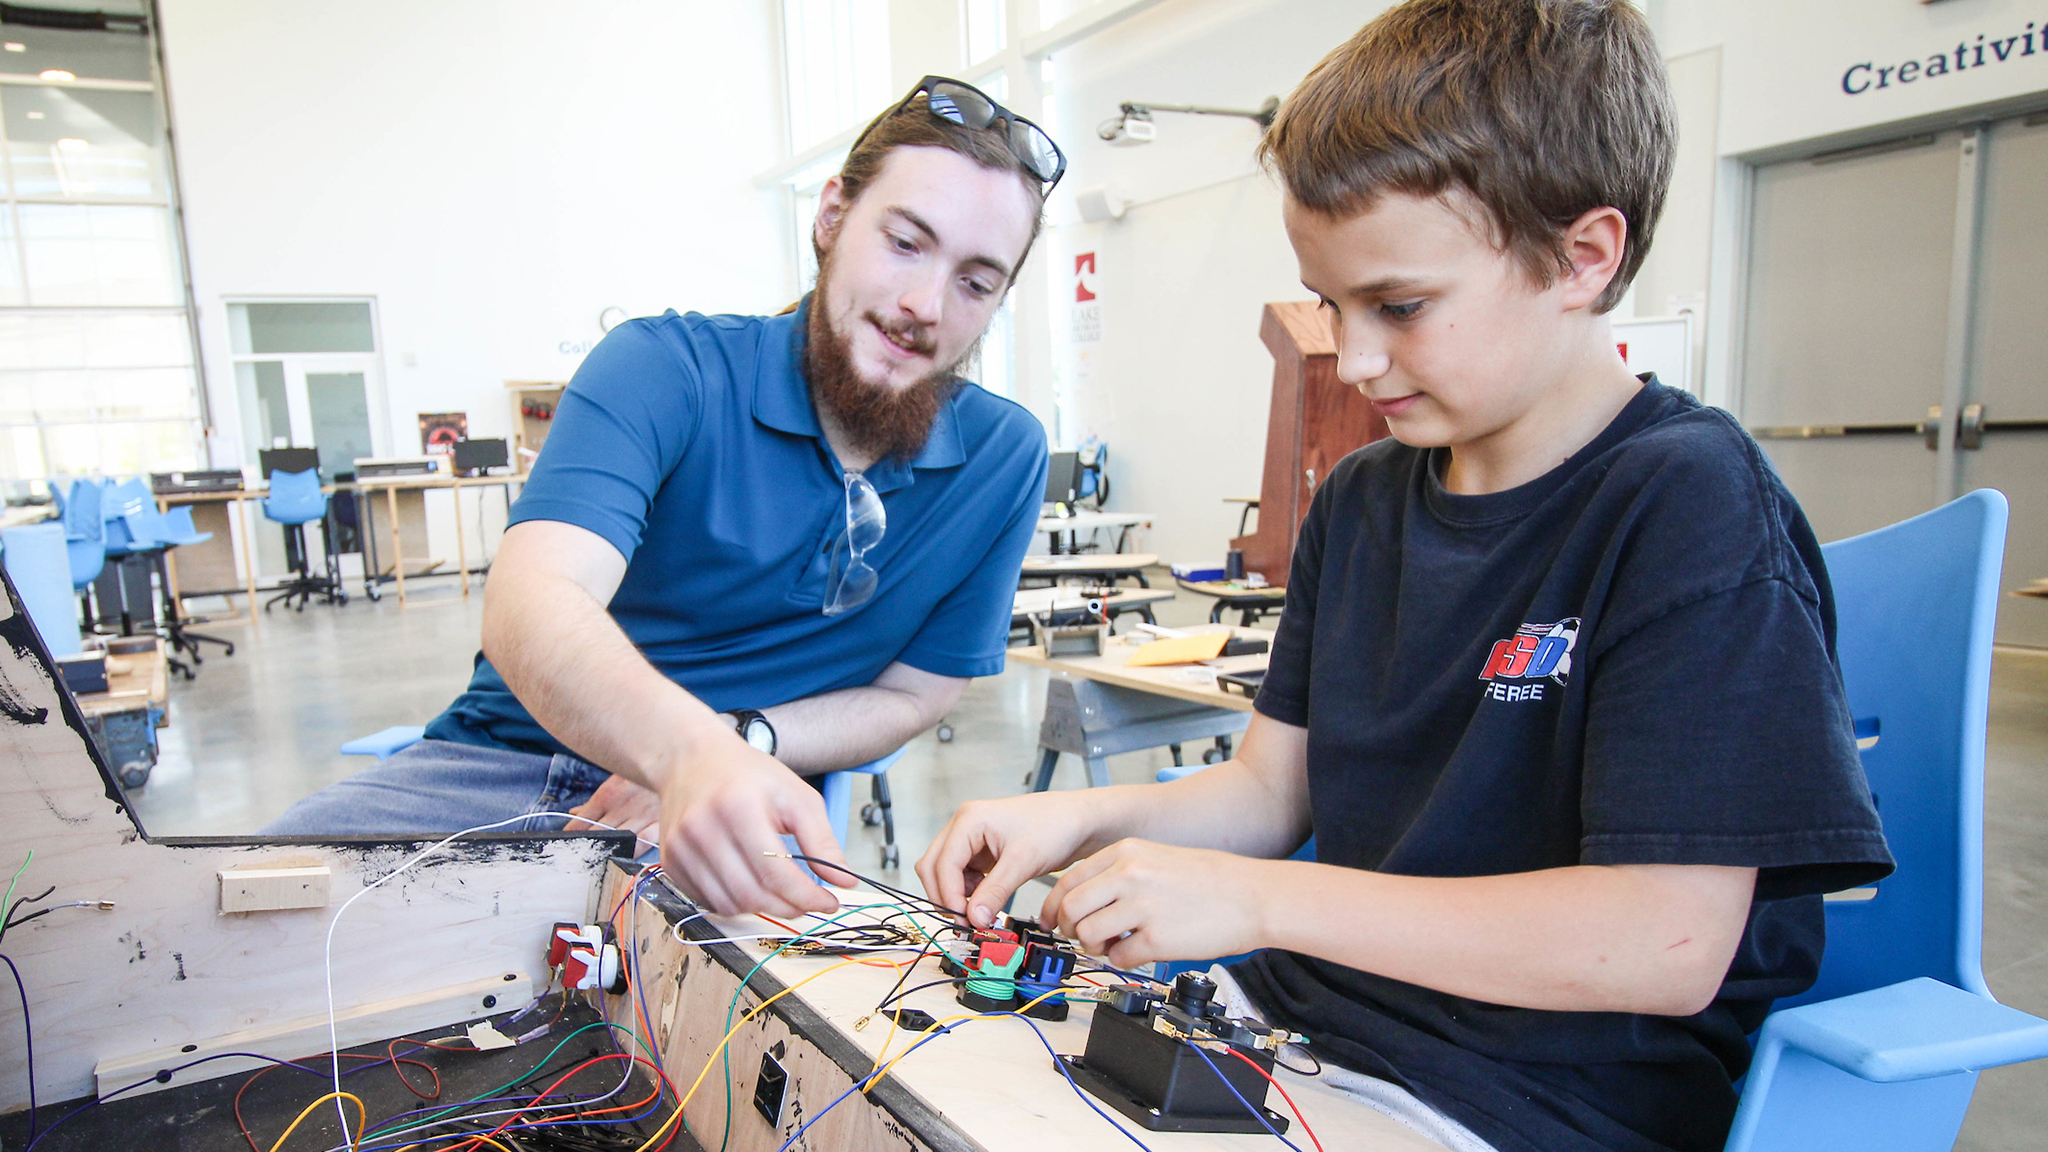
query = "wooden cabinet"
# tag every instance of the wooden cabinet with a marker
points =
(533, 413)
(1315, 421)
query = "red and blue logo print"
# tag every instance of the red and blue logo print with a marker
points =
(1519, 665)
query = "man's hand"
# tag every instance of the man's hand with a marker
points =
(1135, 902)
(621, 803)
(723, 810)
(992, 847)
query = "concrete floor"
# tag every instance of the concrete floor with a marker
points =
(258, 730)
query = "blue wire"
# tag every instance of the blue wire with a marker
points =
(28, 1034)
(934, 1035)
(1257, 1114)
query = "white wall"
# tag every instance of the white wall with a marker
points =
(494, 172)
(1180, 382)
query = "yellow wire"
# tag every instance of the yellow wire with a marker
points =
(937, 1024)
(462, 1140)
(362, 1118)
(662, 1132)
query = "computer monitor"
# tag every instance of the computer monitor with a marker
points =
(474, 456)
(269, 460)
(1063, 478)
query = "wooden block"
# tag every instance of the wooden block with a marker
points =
(307, 1036)
(270, 889)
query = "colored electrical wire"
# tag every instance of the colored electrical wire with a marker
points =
(362, 1116)
(1310, 1072)
(1257, 1113)
(28, 1038)
(250, 1136)
(877, 885)
(327, 953)
(1291, 1105)
(384, 1129)
(7, 901)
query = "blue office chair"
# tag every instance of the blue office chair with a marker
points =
(295, 500)
(880, 808)
(1884, 1051)
(125, 593)
(37, 562)
(156, 533)
(85, 539)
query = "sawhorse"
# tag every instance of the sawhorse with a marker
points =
(1095, 721)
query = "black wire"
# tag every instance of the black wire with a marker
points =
(29, 1043)
(899, 893)
(9, 921)
(1293, 1069)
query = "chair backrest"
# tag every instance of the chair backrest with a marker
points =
(125, 497)
(1915, 604)
(295, 497)
(38, 563)
(82, 511)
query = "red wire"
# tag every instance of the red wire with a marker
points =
(251, 1136)
(662, 1081)
(1283, 1095)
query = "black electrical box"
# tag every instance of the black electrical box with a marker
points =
(1144, 1064)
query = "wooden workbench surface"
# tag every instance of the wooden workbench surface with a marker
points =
(1194, 682)
(131, 680)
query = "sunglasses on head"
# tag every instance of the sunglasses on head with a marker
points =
(970, 107)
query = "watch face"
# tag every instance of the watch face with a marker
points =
(760, 735)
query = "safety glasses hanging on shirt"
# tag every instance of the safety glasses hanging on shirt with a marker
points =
(850, 580)
(970, 107)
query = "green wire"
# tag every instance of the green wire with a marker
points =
(7, 901)
(541, 1063)
(725, 1053)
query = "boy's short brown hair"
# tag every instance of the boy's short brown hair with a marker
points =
(1543, 110)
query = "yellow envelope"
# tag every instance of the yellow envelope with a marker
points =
(1179, 650)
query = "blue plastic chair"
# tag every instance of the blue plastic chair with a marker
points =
(1884, 1052)
(383, 745)
(157, 533)
(295, 500)
(38, 563)
(85, 533)
(119, 502)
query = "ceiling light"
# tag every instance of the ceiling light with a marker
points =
(35, 115)
(55, 74)
(73, 144)
(11, 46)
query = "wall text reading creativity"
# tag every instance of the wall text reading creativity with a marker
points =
(1864, 77)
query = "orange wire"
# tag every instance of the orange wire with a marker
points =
(1283, 1095)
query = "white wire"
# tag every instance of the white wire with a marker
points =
(327, 954)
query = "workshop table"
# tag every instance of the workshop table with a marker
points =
(391, 485)
(1097, 706)
(1055, 526)
(1031, 601)
(1108, 567)
(1251, 604)
(986, 1086)
(123, 719)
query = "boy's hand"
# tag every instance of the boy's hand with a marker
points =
(1135, 902)
(990, 848)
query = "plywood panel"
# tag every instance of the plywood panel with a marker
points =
(165, 968)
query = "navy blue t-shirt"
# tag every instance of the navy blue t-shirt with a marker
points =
(1629, 660)
(690, 444)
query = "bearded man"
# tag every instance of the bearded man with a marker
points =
(758, 549)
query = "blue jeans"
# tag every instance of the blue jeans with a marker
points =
(442, 786)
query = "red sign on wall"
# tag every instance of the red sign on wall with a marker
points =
(1084, 277)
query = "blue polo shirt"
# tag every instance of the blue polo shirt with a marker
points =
(690, 444)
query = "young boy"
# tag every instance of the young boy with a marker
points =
(1555, 687)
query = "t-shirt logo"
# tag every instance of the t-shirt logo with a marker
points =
(1536, 652)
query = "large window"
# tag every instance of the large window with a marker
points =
(836, 60)
(97, 372)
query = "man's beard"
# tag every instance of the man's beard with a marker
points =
(877, 419)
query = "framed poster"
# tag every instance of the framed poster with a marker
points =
(440, 430)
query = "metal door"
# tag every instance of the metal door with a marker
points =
(1889, 363)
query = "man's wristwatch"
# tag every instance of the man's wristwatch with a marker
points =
(755, 729)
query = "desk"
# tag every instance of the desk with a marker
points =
(1250, 603)
(1097, 707)
(15, 516)
(206, 562)
(1053, 526)
(987, 1085)
(390, 486)
(123, 720)
(1033, 600)
(1110, 568)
